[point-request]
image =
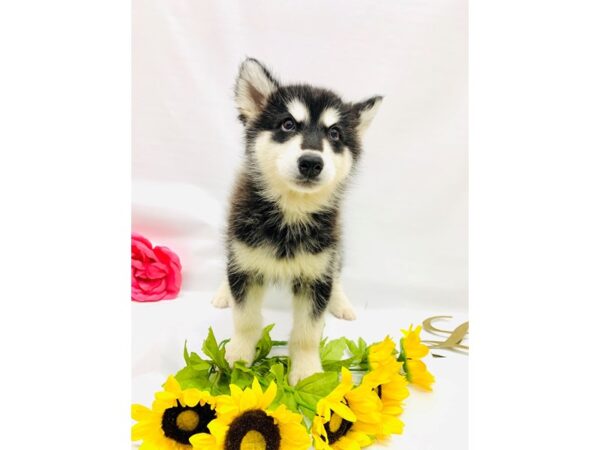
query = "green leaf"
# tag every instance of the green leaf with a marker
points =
(265, 344)
(287, 398)
(201, 365)
(359, 351)
(279, 372)
(352, 347)
(336, 366)
(241, 365)
(306, 400)
(308, 413)
(194, 360)
(319, 383)
(191, 378)
(186, 355)
(312, 389)
(333, 350)
(241, 377)
(221, 384)
(216, 354)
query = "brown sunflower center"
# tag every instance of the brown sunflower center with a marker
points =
(181, 422)
(380, 391)
(253, 430)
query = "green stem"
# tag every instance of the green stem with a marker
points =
(216, 380)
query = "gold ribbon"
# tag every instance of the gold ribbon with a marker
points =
(454, 339)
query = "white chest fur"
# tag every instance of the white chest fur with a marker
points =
(263, 260)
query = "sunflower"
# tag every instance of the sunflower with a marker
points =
(345, 418)
(412, 353)
(382, 354)
(175, 416)
(391, 387)
(244, 423)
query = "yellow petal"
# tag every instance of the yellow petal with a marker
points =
(346, 444)
(248, 400)
(294, 437)
(203, 440)
(191, 397)
(392, 425)
(171, 385)
(151, 445)
(346, 376)
(140, 412)
(165, 396)
(282, 415)
(344, 412)
(218, 429)
(144, 430)
(268, 396)
(256, 387)
(361, 438)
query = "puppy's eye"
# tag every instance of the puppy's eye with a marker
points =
(334, 134)
(288, 125)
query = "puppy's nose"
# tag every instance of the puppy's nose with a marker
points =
(310, 165)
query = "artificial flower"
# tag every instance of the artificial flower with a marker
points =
(412, 351)
(244, 422)
(344, 417)
(382, 354)
(175, 416)
(155, 271)
(389, 384)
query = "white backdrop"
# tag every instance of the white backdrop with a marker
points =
(406, 214)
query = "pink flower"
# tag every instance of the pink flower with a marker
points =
(155, 272)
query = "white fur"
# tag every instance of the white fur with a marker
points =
(339, 305)
(278, 165)
(247, 321)
(223, 297)
(329, 117)
(304, 341)
(252, 78)
(298, 110)
(366, 117)
(262, 259)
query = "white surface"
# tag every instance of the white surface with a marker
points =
(405, 217)
(406, 213)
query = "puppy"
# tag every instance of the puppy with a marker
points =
(302, 145)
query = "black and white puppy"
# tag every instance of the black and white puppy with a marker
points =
(302, 144)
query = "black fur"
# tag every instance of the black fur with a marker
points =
(317, 100)
(255, 221)
(240, 282)
(319, 291)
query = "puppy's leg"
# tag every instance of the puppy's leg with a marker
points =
(247, 292)
(223, 298)
(310, 302)
(339, 305)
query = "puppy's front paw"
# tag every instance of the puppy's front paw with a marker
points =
(340, 306)
(239, 350)
(345, 312)
(303, 367)
(222, 298)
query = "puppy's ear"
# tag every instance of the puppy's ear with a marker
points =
(252, 89)
(365, 112)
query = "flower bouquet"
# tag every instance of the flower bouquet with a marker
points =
(356, 401)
